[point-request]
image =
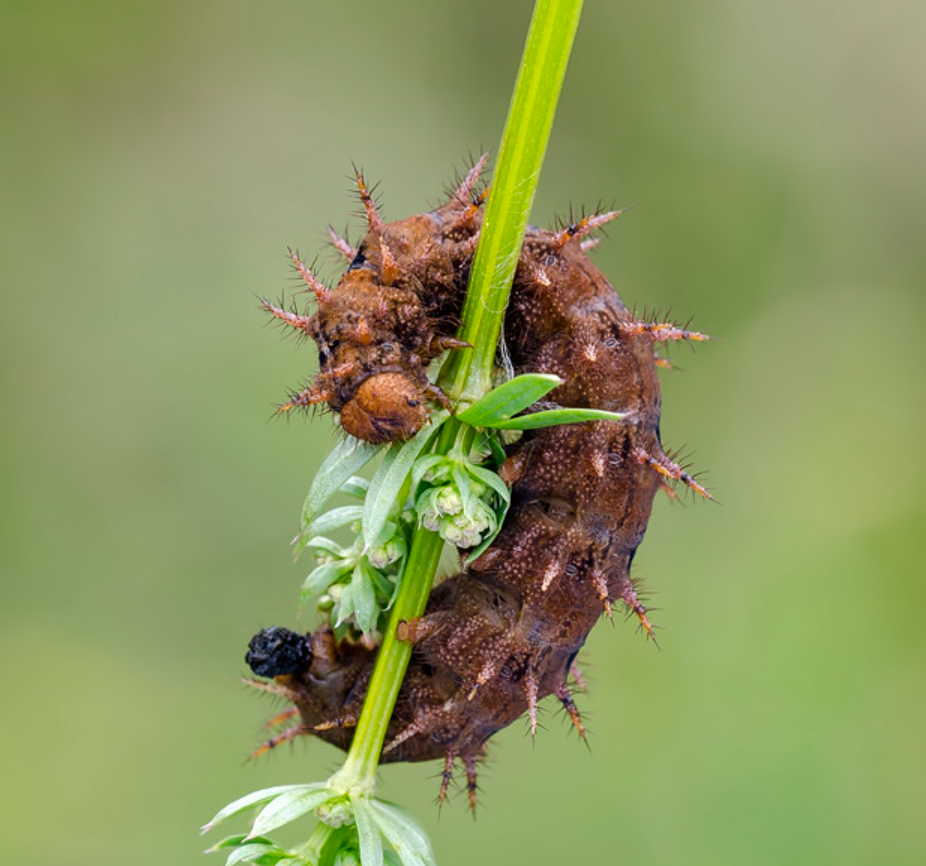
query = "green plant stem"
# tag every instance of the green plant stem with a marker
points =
(467, 374)
(358, 775)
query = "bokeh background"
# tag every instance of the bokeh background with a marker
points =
(156, 159)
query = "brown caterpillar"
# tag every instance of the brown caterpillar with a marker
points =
(498, 638)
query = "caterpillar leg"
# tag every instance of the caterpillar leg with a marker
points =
(669, 469)
(438, 395)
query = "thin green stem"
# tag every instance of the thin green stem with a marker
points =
(467, 375)
(359, 770)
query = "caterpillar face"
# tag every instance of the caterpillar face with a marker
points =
(503, 635)
(387, 407)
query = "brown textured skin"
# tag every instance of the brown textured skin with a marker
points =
(393, 317)
(500, 637)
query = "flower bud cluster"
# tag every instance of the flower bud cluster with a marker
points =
(458, 499)
(355, 586)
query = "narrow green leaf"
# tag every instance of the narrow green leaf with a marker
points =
(334, 519)
(508, 399)
(355, 486)
(554, 417)
(389, 479)
(322, 577)
(364, 599)
(341, 464)
(461, 478)
(371, 843)
(289, 806)
(237, 841)
(255, 798)
(260, 854)
(384, 587)
(491, 479)
(345, 606)
(403, 834)
(496, 447)
(319, 542)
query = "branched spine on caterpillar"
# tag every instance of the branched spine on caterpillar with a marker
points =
(501, 636)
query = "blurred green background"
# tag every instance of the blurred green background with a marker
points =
(156, 159)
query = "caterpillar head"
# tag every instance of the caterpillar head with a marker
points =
(387, 407)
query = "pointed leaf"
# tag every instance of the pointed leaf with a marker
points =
(255, 798)
(491, 479)
(403, 834)
(238, 841)
(259, 853)
(553, 417)
(355, 486)
(364, 595)
(371, 843)
(334, 519)
(319, 542)
(289, 806)
(322, 577)
(341, 464)
(345, 606)
(384, 587)
(506, 400)
(461, 479)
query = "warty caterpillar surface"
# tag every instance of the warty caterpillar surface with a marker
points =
(499, 637)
